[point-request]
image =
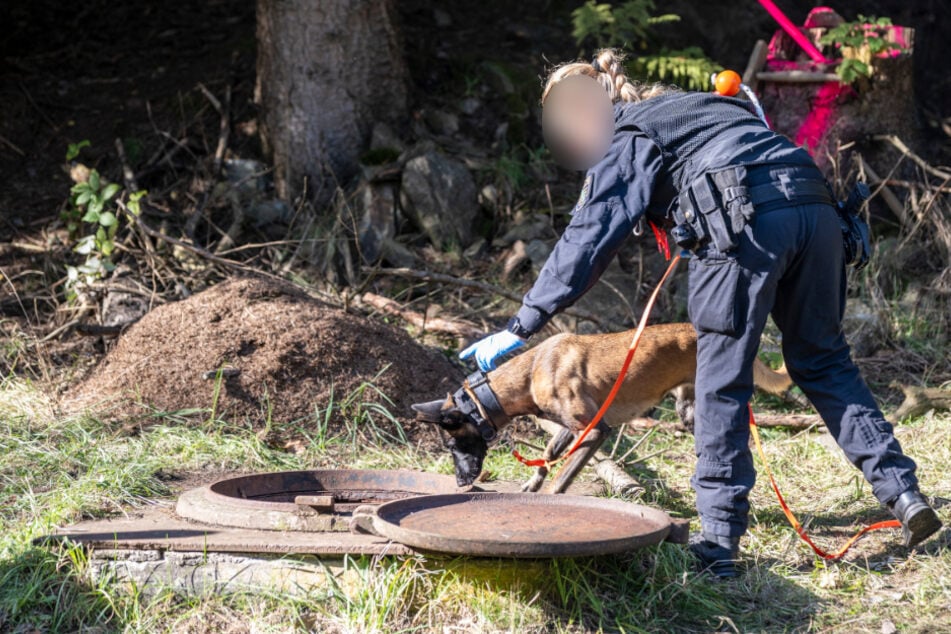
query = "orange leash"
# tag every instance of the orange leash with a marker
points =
(540, 462)
(754, 430)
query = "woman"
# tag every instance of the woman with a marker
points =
(766, 240)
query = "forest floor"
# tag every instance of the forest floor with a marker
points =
(73, 75)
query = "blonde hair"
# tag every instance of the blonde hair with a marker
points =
(608, 69)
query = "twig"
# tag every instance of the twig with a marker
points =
(887, 194)
(437, 324)
(901, 147)
(919, 400)
(224, 127)
(619, 480)
(915, 185)
(97, 330)
(442, 278)
(128, 176)
(204, 253)
(7, 142)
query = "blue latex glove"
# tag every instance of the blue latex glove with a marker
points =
(487, 350)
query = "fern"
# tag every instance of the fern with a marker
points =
(628, 25)
(689, 68)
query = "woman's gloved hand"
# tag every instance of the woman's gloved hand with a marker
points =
(487, 350)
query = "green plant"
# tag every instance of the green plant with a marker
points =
(628, 25)
(616, 25)
(859, 42)
(92, 210)
(688, 68)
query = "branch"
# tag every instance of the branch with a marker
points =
(435, 324)
(441, 278)
(901, 147)
(921, 400)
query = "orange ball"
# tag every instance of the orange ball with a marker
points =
(727, 83)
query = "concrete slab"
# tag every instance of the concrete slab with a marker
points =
(159, 529)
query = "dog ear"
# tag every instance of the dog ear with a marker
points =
(430, 412)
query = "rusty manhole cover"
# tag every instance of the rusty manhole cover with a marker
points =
(303, 500)
(520, 524)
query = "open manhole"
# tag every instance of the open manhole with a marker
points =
(304, 500)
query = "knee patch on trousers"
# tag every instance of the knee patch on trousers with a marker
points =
(712, 470)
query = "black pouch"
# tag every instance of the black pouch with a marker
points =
(855, 231)
(712, 305)
(721, 206)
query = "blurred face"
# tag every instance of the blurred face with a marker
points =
(578, 122)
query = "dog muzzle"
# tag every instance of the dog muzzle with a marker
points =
(476, 400)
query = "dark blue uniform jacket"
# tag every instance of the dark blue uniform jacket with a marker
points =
(660, 145)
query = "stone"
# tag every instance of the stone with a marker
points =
(865, 330)
(374, 207)
(439, 196)
(442, 122)
(383, 137)
(469, 106)
(536, 228)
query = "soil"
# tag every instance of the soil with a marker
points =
(296, 355)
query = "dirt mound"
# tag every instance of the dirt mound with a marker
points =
(295, 355)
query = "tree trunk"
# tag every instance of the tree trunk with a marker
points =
(326, 71)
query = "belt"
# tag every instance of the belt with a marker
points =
(773, 188)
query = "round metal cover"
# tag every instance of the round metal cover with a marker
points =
(321, 500)
(520, 524)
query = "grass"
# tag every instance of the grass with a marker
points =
(55, 471)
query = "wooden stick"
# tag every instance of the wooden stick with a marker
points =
(755, 64)
(441, 278)
(913, 185)
(797, 77)
(436, 324)
(796, 422)
(619, 480)
(920, 400)
(887, 194)
(7, 142)
(901, 147)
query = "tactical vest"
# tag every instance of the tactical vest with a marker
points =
(697, 132)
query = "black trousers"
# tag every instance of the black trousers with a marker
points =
(789, 263)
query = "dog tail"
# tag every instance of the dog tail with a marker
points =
(777, 382)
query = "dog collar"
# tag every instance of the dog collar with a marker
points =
(477, 400)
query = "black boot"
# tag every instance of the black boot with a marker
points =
(717, 554)
(918, 519)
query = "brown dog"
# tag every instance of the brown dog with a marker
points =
(565, 379)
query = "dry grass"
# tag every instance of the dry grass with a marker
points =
(54, 471)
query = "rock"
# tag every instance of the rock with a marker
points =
(375, 210)
(121, 308)
(439, 196)
(442, 18)
(538, 252)
(469, 106)
(489, 196)
(864, 328)
(515, 259)
(383, 137)
(476, 249)
(536, 228)
(267, 212)
(247, 176)
(442, 122)
(397, 254)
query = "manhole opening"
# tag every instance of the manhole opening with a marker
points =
(320, 500)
